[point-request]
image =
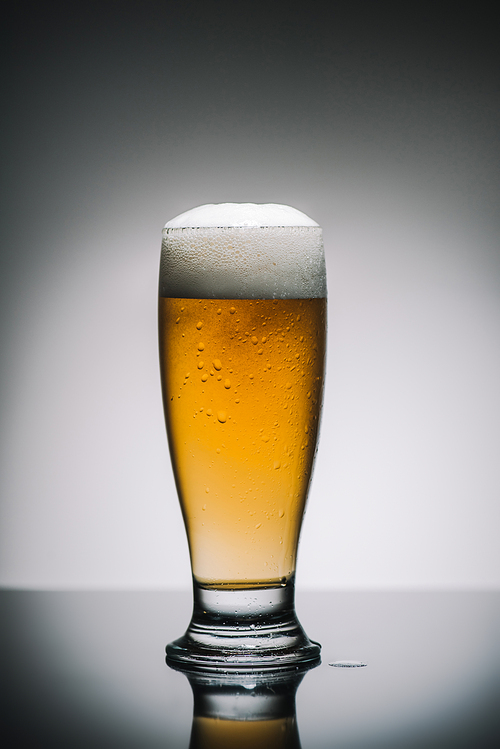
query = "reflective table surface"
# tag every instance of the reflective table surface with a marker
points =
(87, 669)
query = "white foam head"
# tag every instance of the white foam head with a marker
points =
(240, 214)
(242, 251)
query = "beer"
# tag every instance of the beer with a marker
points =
(242, 321)
(242, 382)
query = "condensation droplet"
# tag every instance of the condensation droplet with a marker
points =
(254, 340)
(204, 377)
(265, 438)
(227, 384)
(218, 451)
(199, 325)
(207, 489)
(232, 310)
(222, 416)
(288, 385)
(178, 320)
(217, 364)
(264, 339)
(251, 376)
(219, 311)
(204, 507)
(306, 429)
(258, 525)
(277, 464)
(219, 378)
(281, 513)
(201, 346)
(201, 365)
(187, 375)
(209, 412)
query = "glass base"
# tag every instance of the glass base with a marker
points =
(253, 629)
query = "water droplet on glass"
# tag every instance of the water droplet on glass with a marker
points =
(254, 340)
(258, 525)
(209, 411)
(217, 364)
(227, 384)
(204, 377)
(201, 346)
(201, 365)
(281, 513)
(199, 325)
(232, 310)
(222, 416)
(277, 464)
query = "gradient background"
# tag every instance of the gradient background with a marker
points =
(381, 121)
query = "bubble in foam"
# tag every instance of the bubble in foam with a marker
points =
(242, 251)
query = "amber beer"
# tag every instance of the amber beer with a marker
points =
(242, 382)
(242, 321)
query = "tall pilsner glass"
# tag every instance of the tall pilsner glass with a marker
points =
(242, 319)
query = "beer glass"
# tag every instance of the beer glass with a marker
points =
(242, 322)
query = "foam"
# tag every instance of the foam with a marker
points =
(242, 261)
(240, 214)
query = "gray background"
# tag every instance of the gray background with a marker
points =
(380, 120)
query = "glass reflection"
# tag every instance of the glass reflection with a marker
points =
(244, 710)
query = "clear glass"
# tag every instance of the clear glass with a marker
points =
(242, 381)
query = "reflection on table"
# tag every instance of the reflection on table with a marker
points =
(239, 710)
(87, 669)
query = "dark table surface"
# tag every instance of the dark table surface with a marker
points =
(87, 669)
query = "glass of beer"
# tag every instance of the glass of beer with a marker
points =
(242, 323)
